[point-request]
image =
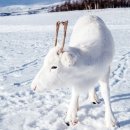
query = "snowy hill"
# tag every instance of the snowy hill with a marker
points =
(26, 9)
(22, 10)
(26, 2)
(24, 42)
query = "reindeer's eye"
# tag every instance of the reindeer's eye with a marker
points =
(53, 67)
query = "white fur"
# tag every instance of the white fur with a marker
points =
(84, 63)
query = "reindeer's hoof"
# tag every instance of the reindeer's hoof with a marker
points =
(96, 102)
(71, 122)
(112, 122)
(110, 125)
(67, 123)
(74, 122)
(95, 99)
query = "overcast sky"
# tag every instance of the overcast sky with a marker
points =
(25, 2)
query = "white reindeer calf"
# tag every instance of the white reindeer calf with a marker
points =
(81, 65)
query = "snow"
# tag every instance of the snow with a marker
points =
(24, 42)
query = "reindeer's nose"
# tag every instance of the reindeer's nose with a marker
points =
(35, 88)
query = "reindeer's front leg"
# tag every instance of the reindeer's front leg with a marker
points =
(71, 117)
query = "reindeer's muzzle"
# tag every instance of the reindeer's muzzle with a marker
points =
(34, 89)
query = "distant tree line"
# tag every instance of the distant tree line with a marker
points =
(69, 5)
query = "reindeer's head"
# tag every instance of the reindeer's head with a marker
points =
(57, 64)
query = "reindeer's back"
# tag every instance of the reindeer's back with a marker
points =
(91, 35)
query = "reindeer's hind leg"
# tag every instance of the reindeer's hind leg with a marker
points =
(93, 96)
(104, 83)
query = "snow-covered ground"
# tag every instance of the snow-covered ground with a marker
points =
(24, 42)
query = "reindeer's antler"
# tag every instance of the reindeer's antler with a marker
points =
(57, 30)
(65, 24)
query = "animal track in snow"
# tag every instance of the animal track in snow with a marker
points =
(118, 74)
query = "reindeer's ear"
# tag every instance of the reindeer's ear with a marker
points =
(68, 59)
